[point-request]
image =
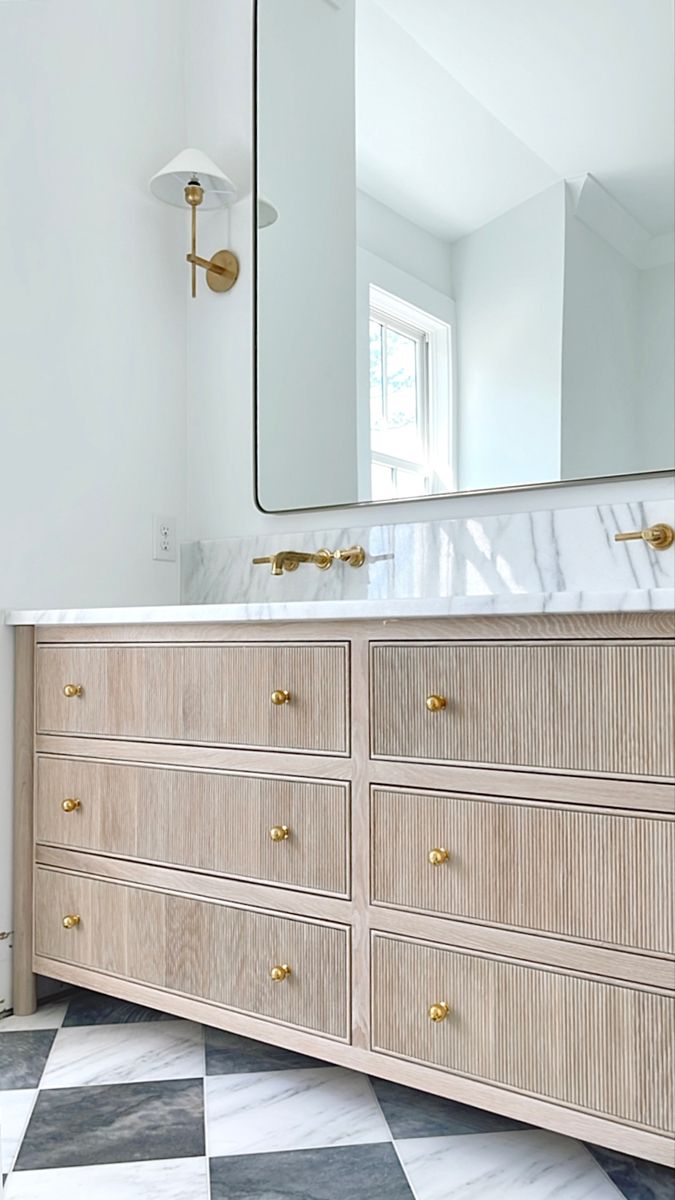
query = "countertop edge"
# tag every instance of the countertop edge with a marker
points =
(639, 600)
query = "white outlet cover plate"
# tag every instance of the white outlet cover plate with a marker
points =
(164, 538)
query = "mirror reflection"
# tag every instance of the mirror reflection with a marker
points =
(465, 245)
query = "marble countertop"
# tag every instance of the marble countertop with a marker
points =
(637, 600)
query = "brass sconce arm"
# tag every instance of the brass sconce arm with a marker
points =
(289, 560)
(222, 270)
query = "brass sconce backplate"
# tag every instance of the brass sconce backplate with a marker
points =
(226, 274)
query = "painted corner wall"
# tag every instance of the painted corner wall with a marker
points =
(92, 321)
(617, 357)
(508, 287)
(307, 258)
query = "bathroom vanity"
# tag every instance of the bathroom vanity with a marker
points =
(436, 849)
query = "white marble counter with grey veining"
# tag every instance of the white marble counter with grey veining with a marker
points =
(657, 600)
(561, 561)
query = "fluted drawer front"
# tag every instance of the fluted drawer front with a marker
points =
(582, 1042)
(214, 694)
(219, 822)
(602, 707)
(199, 948)
(602, 876)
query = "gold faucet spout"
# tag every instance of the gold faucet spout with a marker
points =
(289, 560)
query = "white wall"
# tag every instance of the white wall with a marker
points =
(508, 287)
(599, 355)
(656, 366)
(618, 359)
(92, 319)
(307, 258)
(398, 241)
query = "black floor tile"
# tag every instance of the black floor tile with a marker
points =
(23, 1055)
(413, 1114)
(635, 1178)
(77, 1127)
(229, 1054)
(370, 1172)
(90, 1008)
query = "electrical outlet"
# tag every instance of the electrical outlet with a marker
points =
(164, 539)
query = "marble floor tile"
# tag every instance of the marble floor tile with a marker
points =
(90, 1008)
(290, 1110)
(99, 1054)
(48, 1016)
(172, 1179)
(533, 1165)
(15, 1109)
(23, 1055)
(229, 1054)
(338, 1173)
(129, 1122)
(413, 1114)
(635, 1178)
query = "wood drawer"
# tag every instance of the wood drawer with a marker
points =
(199, 948)
(206, 821)
(582, 1042)
(597, 875)
(573, 706)
(212, 694)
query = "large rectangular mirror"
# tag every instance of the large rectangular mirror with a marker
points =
(464, 247)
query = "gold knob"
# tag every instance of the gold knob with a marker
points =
(70, 921)
(280, 697)
(436, 703)
(73, 689)
(659, 537)
(438, 1012)
(70, 805)
(279, 833)
(438, 856)
(278, 974)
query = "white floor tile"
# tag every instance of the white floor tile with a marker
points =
(503, 1166)
(291, 1110)
(15, 1109)
(170, 1179)
(129, 1053)
(48, 1016)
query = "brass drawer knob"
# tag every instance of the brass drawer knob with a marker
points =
(659, 537)
(73, 689)
(438, 856)
(70, 805)
(71, 921)
(438, 1012)
(436, 703)
(278, 974)
(279, 833)
(281, 697)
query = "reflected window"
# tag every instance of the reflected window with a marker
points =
(409, 421)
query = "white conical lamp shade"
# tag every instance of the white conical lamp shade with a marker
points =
(192, 166)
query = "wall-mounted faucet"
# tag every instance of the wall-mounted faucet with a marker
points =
(289, 560)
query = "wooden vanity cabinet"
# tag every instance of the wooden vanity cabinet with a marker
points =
(439, 851)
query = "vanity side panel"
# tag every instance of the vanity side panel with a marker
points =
(24, 981)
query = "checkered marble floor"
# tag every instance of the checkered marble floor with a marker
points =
(102, 1100)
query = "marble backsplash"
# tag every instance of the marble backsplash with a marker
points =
(564, 556)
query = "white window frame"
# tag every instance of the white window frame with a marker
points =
(435, 394)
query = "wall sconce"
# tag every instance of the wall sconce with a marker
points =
(192, 178)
